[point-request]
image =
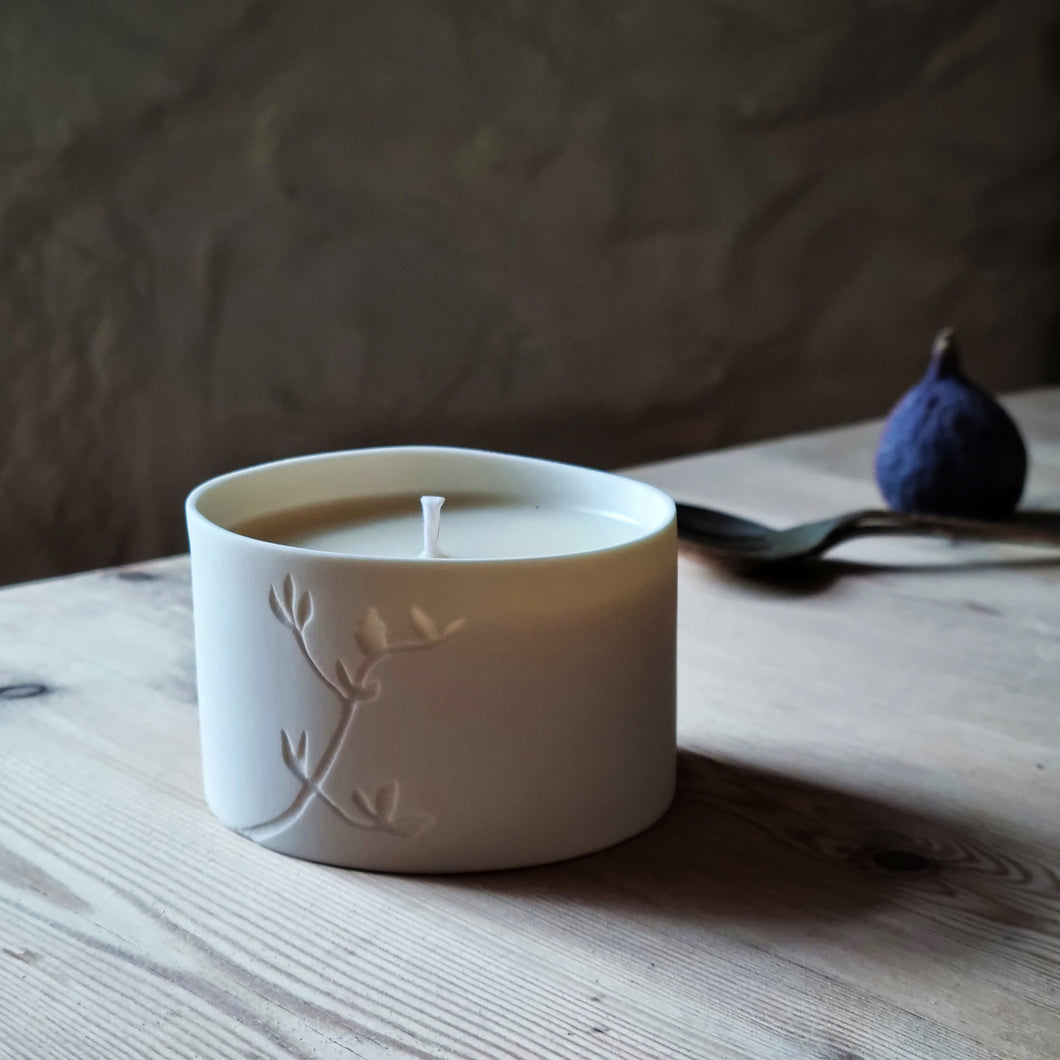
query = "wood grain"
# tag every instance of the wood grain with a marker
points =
(863, 860)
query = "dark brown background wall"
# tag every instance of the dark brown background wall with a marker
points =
(235, 230)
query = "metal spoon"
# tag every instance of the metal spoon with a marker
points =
(731, 537)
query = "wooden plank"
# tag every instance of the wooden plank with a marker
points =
(863, 859)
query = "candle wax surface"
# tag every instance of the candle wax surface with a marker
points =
(472, 527)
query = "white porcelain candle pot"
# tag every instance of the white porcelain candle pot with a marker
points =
(486, 683)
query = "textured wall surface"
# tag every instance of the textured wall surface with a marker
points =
(234, 230)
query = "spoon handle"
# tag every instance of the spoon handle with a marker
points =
(872, 521)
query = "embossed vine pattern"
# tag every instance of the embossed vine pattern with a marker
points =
(380, 810)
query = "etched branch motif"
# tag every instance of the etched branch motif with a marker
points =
(379, 811)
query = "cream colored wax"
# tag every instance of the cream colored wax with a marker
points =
(470, 527)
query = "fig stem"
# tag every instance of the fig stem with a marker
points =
(945, 354)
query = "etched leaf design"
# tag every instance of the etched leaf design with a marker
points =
(371, 633)
(386, 800)
(364, 804)
(295, 611)
(357, 817)
(410, 824)
(305, 610)
(290, 760)
(423, 622)
(277, 608)
(368, 691)
(345, 680)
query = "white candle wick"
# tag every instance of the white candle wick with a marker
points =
(432, 521)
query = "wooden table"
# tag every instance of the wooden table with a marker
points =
(862, 860)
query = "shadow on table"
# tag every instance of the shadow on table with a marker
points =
(811, 577)
(745, 844)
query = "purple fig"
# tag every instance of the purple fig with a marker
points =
(948, 448)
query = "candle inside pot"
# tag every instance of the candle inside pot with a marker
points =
(472, 526)
(366, 706)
